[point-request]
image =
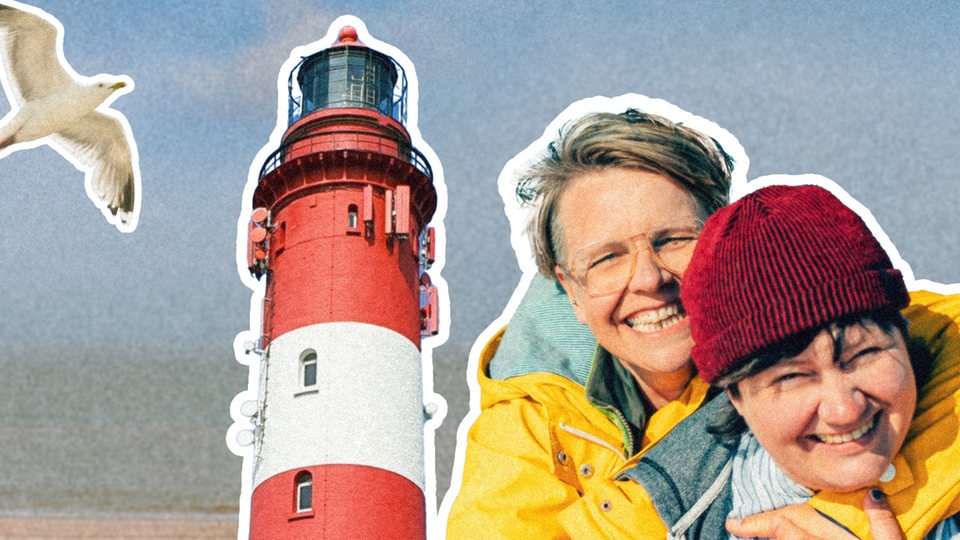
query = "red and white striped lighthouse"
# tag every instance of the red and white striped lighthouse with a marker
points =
(339, 234)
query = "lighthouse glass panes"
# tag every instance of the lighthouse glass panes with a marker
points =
(348, 77)
(308, 368)
(304, 492)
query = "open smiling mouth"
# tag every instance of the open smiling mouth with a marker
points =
(657, 320)
(847, 437)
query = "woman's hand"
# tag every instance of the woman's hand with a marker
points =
(803, 522)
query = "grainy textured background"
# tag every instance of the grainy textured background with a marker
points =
(117, 356)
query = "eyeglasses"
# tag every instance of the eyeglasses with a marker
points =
(606, 267)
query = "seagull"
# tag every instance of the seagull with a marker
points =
(52, 104)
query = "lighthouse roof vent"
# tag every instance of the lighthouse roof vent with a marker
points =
(348, 35)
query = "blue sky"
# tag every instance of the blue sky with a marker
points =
(863, 93)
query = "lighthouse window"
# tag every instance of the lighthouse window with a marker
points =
(304, 492)
(308, 368)
(352, 216)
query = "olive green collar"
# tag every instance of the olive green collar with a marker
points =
(612, 389)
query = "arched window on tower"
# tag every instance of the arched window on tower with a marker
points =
(352, 218)
(304, 495)
(308, 368)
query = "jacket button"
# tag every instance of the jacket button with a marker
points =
(586, 470)
(606, 506)
(562, 457)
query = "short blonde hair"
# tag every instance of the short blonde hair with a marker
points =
(631, 139)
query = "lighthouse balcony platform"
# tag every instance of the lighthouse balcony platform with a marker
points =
(348, 141)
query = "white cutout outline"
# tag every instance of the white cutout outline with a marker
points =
(431, 399)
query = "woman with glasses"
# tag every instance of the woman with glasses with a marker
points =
(618, 202)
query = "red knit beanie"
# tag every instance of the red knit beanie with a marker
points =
(780, 261)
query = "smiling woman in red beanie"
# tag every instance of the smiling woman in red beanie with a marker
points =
(795, 311)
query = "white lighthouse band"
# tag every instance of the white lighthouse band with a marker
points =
(341, 393)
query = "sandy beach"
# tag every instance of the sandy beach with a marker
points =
(43, 528)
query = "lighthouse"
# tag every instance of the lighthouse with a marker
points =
(339, 238)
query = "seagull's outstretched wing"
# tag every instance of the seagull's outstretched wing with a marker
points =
(31, 47)
(53, 104)
(102, 141)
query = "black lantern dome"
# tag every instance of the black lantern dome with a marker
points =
(349, 75)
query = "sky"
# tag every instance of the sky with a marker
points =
(863, 93)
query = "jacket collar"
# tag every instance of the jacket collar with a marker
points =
(613, 390)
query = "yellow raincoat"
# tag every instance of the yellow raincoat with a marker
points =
(542, 458)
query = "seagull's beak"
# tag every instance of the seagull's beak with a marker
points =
(118, 86)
